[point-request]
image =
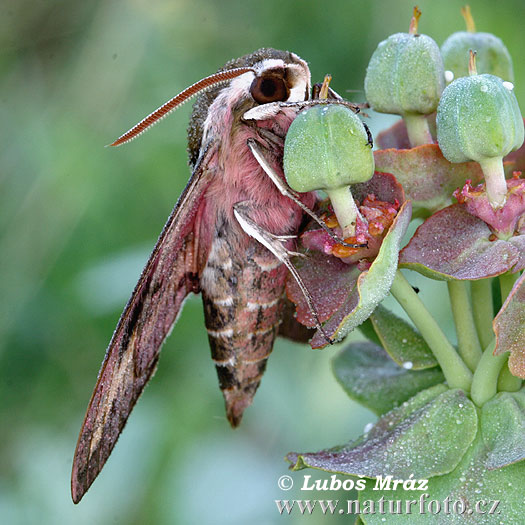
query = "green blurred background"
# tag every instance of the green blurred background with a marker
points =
(78, 222)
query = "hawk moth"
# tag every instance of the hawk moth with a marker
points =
(218, 241)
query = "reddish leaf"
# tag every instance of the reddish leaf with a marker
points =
(372, 285)
(420, 438)
(508, 326)
(428, 178)
(330, 282)
(395, 136)
(519, 242)
(452, 244)
(383, 185)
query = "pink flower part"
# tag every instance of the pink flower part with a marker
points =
(372, 224)
(505, 221)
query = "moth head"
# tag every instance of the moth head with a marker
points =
(274, 76)
(265, 76)
(277, 80)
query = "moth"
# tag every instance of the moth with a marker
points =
(230, 237)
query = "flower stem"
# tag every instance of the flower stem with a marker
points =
(418, 130)
(507, 382)
(456, 372)
(483, 310)
(345, 209)
(469, 347)
(506, 283)
(495, 182)
(485, 380)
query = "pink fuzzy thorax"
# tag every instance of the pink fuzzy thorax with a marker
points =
(239, 175)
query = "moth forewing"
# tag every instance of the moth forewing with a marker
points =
(203, 248)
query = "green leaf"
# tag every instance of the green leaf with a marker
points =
(503, 429)
(470, 482)
(367, 329)
(426, 436)
(403, 343)
(371, 378)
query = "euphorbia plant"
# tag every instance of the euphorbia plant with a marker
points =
(452, 415)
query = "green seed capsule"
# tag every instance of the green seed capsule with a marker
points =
(478, 118)
(491, 54)
(327, 147)
(405, 75)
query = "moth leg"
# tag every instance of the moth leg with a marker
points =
(284, 237)
(369, 135)
(272, 109)
(257, 152)
(263, 112)
(356, 108)
(274, 243)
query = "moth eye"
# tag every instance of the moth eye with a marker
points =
(269, 89)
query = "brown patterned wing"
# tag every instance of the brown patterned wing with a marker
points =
(170, 275)
(290, 327)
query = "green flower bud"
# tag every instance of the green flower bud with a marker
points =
(491, 54)
(478, 118)
(405, 75)
(327, 148)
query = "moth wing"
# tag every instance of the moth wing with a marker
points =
(169, 276)
(290, 327)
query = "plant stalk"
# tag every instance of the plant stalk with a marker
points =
(469, 347)
(485, 380)
(418, 130)
(345, 209)
(455, 370)
(483, 310)
(506, 283)
(495, 182)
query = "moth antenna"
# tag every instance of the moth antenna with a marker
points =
(199, 87)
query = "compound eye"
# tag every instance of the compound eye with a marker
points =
(269, 89)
